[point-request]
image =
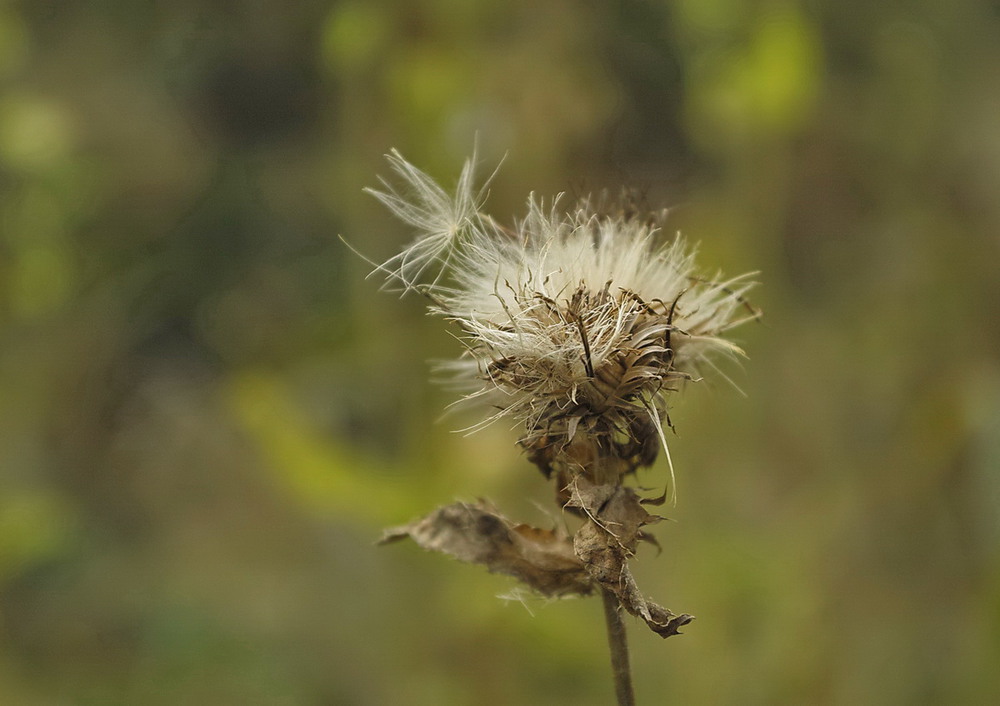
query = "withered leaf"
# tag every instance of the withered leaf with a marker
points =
(476, 533)
(608, 539)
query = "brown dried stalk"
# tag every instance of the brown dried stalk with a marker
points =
(618, 644)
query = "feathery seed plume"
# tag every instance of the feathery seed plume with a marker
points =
(577, 324)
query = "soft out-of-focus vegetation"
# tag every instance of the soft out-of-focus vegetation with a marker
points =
(207, 414)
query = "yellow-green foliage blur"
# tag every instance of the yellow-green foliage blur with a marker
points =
(207, 414)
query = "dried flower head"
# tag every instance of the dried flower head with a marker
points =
(578, 323)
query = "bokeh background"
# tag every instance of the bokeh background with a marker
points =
(207, 413)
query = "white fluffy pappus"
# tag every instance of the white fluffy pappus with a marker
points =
(576, 323)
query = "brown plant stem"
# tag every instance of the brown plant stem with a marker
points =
(618, 644)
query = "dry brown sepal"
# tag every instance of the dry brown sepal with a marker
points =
(549, 561)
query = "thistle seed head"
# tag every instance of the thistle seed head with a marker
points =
(576, 324)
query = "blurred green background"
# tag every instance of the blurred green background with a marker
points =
(207, 414)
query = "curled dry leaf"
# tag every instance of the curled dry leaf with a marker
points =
(549, 561)
(478, 534)
(607, 540)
